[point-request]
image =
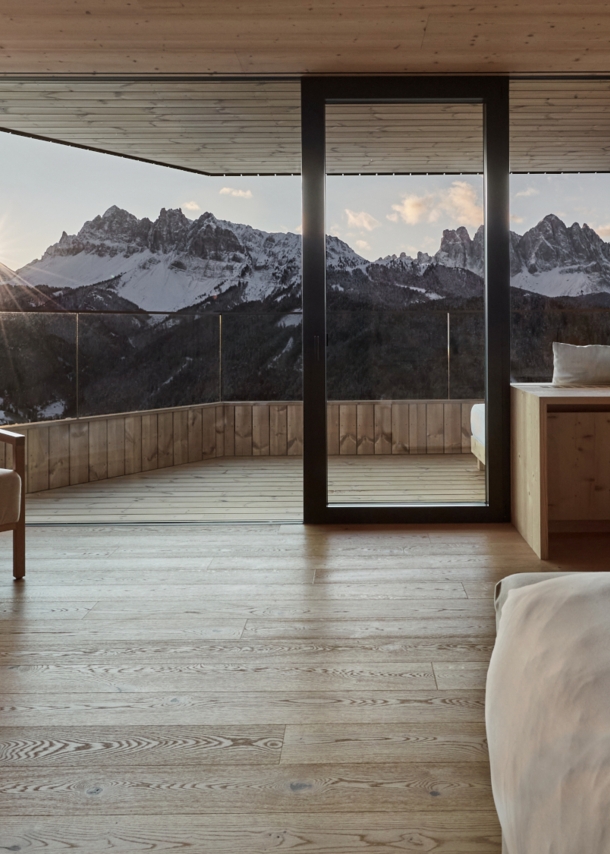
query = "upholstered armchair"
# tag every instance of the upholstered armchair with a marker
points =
(12, 499)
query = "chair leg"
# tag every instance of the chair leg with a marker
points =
(19, 550)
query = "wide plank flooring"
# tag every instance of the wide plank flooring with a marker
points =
(260, 489)
(248, 689)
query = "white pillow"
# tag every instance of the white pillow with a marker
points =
(589, 365)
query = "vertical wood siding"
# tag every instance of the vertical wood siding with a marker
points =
(61, 453)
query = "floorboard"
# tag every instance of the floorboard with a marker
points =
(246, 689)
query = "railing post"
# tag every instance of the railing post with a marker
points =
(77, 369)
(448, 355)
(220, 357)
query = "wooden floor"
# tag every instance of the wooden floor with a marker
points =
(258, 489)
(253, 689)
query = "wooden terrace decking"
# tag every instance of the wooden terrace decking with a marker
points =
(257, 489)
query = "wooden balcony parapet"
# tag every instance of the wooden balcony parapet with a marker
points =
(72, 451)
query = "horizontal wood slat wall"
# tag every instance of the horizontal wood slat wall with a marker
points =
(62, 453)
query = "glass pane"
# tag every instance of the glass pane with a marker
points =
(387, 355)
(559, 268)
(261, 356)
(37, 367)
(130, 362)
(466, 355)
(405, 304)
(163, 291)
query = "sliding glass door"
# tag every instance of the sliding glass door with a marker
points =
(405, 273)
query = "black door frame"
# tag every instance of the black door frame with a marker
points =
(492, 93)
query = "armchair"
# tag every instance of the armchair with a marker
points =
(12, 499)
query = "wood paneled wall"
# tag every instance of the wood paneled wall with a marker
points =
(399, 427)
(578, 461)
(63, 453)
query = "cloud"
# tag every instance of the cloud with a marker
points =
(516, 219)
(531, 191)
(238, 194)
(603, 230)
(362, 245)
(459, 203)
(191, 206)
(393, 217)
(298, 229)
(362, 221)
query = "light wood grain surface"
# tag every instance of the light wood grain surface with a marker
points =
(106, 446)
(259, 489)
(560, 460)
(253, 126)
(243, 688)
(157, 37)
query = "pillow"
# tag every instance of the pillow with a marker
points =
(589, 365)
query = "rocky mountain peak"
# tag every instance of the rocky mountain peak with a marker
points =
(458, 249)
(168, 232)
(177, 262)
(551, 244)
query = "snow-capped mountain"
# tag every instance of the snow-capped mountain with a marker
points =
(130, 360)
(171, 263)
(558, 261)
(175, 263)
(551, 259)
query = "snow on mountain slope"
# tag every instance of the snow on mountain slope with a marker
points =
(561, 283)
(555, 260)
(173, 262)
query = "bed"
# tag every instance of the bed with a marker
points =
(477, 429)
(548, 713)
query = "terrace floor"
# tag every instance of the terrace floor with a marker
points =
(246, 689)
(258, 489)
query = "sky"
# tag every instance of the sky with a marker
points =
(47, 188)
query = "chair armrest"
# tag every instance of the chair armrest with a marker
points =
(10, 438)
(17, 440)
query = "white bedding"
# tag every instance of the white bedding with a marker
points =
(477, 422)
(548, 717)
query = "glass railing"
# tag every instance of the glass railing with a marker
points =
(146, 361)
(533, 332)
(38, 366)
(406, 355)
(76, 364)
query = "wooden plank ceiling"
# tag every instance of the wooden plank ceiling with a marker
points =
(253, 126)
(388, 138)
(303, 36)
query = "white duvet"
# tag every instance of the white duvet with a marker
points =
(548, 717)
